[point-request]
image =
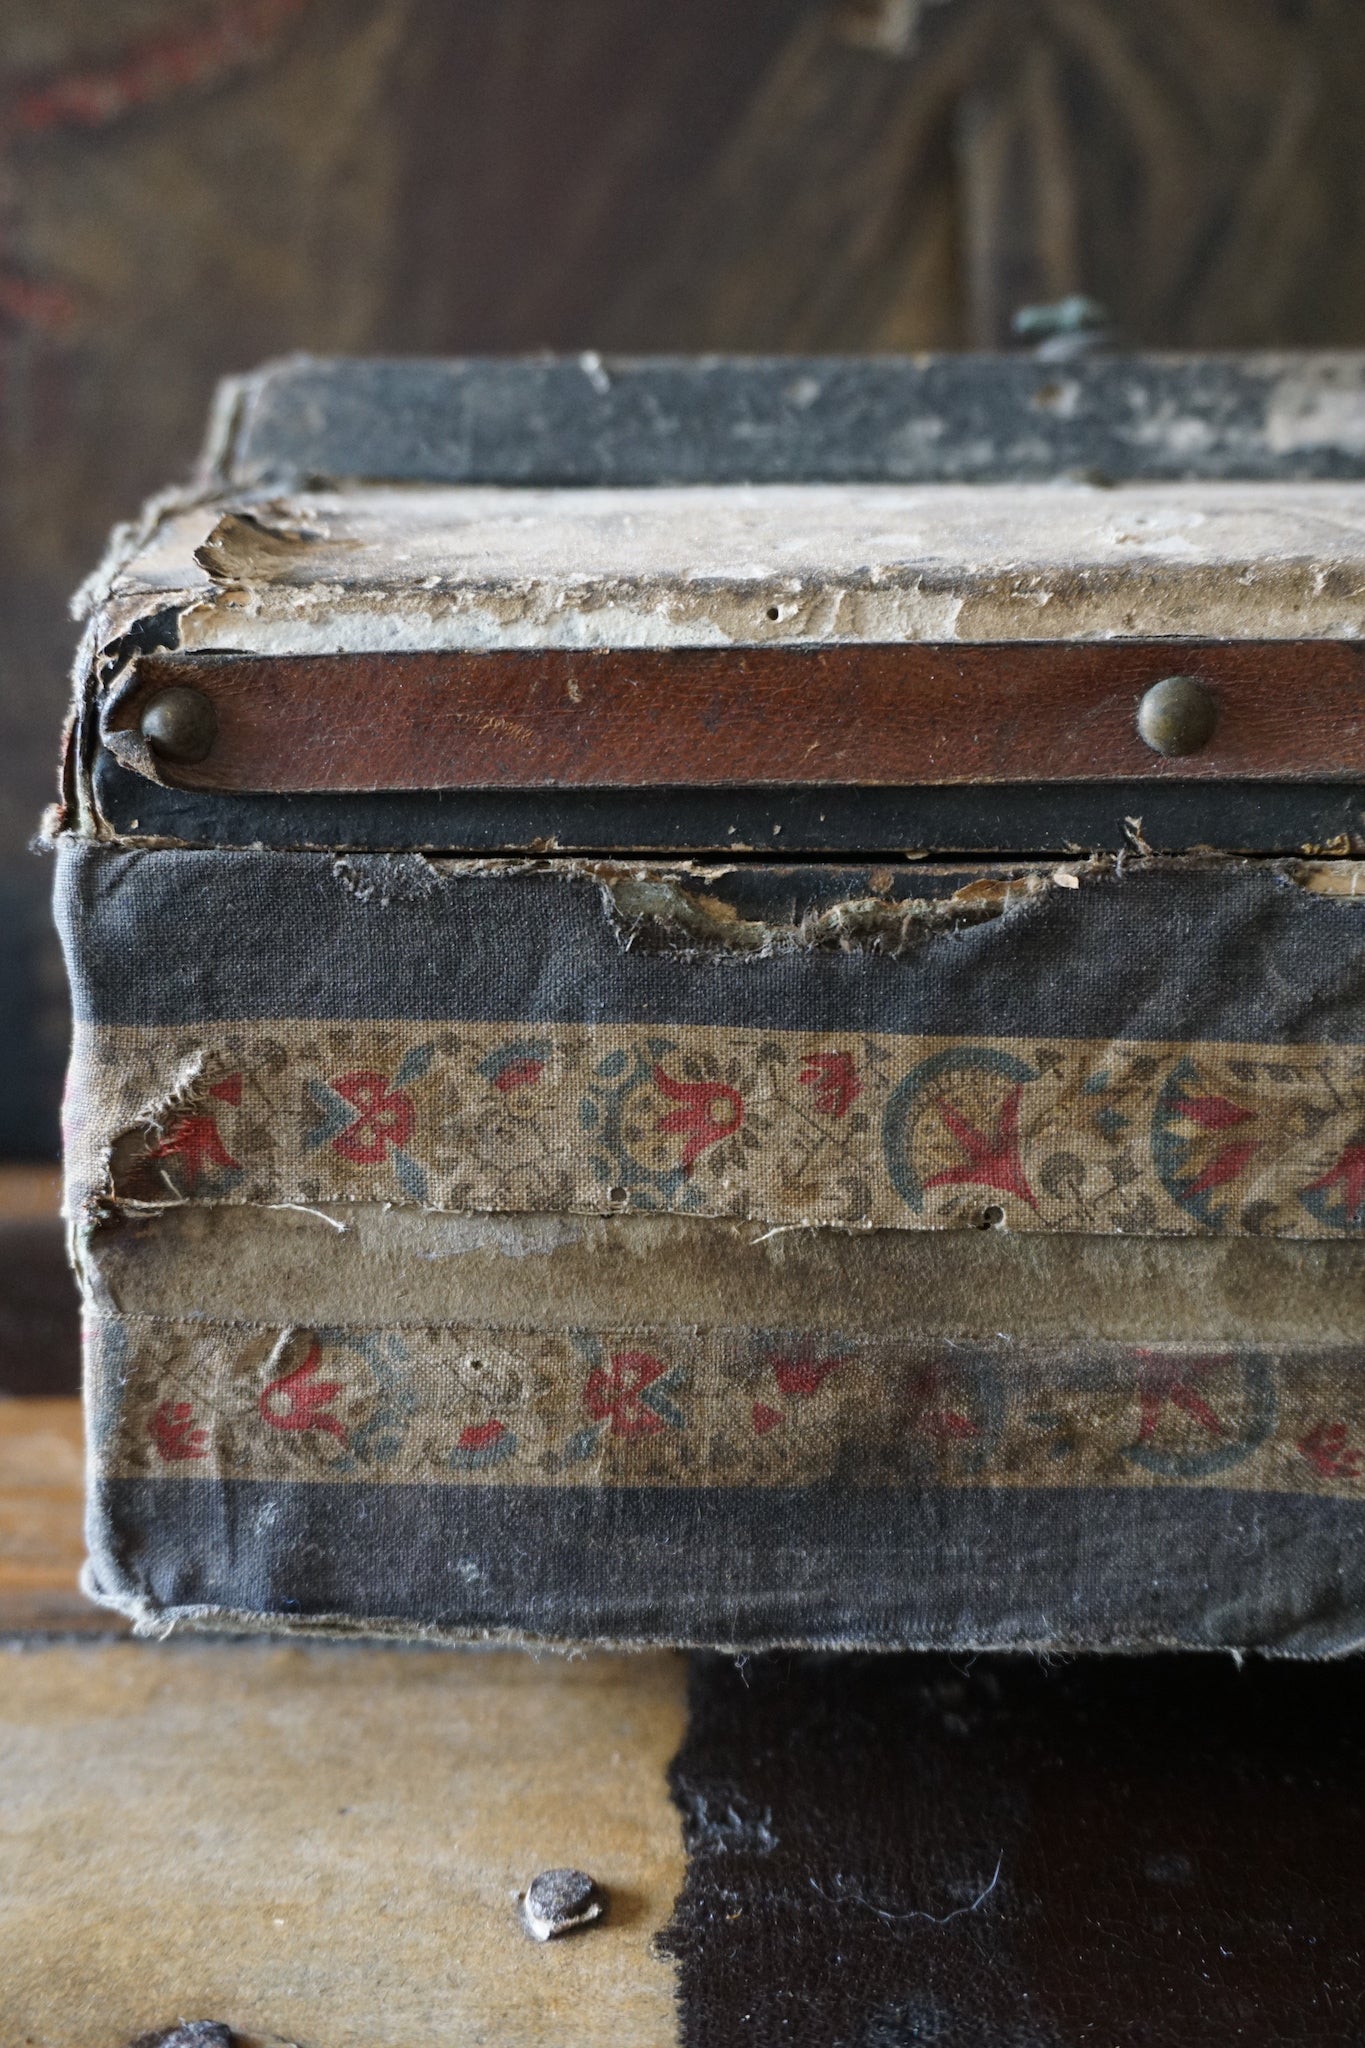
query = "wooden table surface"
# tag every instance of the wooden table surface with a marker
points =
(321, 1843)
(318, 1844)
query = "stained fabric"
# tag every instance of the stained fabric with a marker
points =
(674, 1406)
(596, 1254)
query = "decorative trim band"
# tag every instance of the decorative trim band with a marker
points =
(781, 1127)
(725, 1408)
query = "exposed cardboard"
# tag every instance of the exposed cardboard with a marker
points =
(372, 567)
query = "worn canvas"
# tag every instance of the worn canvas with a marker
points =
(573, 1246)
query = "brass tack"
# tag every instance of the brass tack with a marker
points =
(179, 723)
(1177, 716)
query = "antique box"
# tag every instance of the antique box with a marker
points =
(724, 1002)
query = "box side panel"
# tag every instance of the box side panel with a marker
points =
(592, 1255)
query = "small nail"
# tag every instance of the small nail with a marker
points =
(558, 1901)
(179, 723)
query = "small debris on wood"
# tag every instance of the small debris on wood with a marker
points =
(558, 1901)
(207, 2034)
(188, 2034)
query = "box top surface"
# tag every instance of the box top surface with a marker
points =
(506, 583)
(599, 421)
(374, 567)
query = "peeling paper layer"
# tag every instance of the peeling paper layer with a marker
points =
(376, 567)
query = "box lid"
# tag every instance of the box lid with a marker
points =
(518, 618)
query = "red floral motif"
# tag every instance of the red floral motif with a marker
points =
(833, 1078)
(1326, 1451)
(1162, 1380)
(1218, 1113)
(992, 1157)
(946, 1425)
(385, 1116)
(195, 1140)
(1349, 1175)
(173, 1432)
(708, 1111)
(766, 1418)
(612, 1393)
(949, 1424)
(803, 1375)
(481, 1436)
(228, 1090)
(518, 1074)
(298, 1401)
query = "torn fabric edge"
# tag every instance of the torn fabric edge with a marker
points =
(1167, 1047)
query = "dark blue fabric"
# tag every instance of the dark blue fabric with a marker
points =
(1160, 952)
(923, 1566)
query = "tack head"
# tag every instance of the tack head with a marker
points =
(559, 1901)
(1177, 716)
(179, 723)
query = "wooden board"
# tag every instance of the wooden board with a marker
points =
(40, 1339)
(29, 1193)
(42, 1547)
(317, 1844)
(323, 1845)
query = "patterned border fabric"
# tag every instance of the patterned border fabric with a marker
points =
(677, 1407)
(1174, 1050)
(779, 1127)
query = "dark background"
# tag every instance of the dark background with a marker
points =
(189, 186)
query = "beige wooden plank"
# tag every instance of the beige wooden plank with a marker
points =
(29, 1191)
(42, 1546)
(321, 1843)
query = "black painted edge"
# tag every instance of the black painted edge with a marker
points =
(591, 420)
(1057, 818)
